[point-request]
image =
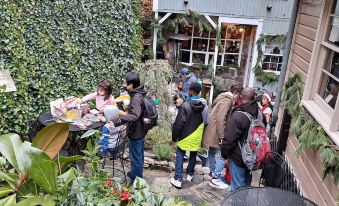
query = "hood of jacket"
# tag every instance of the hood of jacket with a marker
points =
(139, 90)
(197, 105)
(250, 107)
(225, 95)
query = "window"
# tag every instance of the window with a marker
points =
(321, 92)
(201, 47)
(273, 56)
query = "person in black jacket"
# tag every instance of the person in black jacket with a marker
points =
(236, 131)
(187, 131)
(135, 124)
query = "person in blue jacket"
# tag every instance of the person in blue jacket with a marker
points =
(188, 78)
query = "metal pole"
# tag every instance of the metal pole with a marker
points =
(285, 60)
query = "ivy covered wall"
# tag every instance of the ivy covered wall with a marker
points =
(60, 48)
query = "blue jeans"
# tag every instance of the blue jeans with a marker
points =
(179, 163)
(216, 162)
(136, 153)
(241, 177)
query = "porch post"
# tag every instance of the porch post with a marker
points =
(215, 62)
(155, 37)
(255, 53)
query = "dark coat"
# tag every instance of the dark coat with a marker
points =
(134, 118)
(189, 123)
(236, 130)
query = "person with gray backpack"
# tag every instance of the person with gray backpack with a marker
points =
(242, 141)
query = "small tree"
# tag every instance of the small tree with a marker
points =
(156, 75)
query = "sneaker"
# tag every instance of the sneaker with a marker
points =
(176, 183)
(217, 183)
(189, 178)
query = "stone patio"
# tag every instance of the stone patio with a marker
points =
(198, 192)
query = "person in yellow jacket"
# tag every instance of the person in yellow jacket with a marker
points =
(188, 131)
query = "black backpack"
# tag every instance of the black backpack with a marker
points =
(150, 113)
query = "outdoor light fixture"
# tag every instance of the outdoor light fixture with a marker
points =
(185, 2)
(269, 7)
(241, 29)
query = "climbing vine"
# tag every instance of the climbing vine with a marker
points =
(266, 77)
(309, 133)
(189, 19)
(60, 48)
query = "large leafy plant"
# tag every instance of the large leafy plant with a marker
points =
(33, 179)
(60, 48)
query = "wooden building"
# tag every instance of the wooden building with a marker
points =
(315, 57)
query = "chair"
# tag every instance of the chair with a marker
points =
(118, 152)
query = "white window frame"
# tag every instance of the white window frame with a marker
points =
(277, 55)
(326, 116)
(211, 53)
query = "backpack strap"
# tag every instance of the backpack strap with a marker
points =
(248, 115)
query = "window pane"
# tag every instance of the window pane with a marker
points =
(230, 59)
(212, 45)
(232, 47)
(198, 58)
(186, 44)
(329, 89)
(273, 50)
(332, 63)
(233, 32)
(270, 66)
(334, 31)
(185, 56)
(199, 44)
(329, 86)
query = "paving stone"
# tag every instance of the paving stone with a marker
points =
(172, 165)
(197, 179)
(149, 161)
(161, 163)
(149, 154)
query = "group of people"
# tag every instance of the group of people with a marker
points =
(222, 131)
(131, 114)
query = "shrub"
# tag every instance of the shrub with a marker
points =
(163, 151)
(60, 48)
(161, 134)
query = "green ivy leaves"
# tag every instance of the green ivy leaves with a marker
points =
(60, 48)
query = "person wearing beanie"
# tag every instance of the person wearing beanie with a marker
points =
(109, 139)
(188, 78)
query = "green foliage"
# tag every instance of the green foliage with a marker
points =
(34, 172)
(57, 135)
(192, 18)
(157, 136)
(266, 77)
(60, 48)
(161, 73)
(309, 133)
(163, 151)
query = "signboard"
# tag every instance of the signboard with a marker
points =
(6, 79)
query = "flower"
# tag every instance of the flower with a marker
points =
(109, 182)
(115, 192)
(126, 196)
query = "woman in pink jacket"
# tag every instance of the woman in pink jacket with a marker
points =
(103, 96)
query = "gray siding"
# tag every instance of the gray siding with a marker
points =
(275, 26)
(275, 21)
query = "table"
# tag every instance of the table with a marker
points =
(46, 118)
(265, 196)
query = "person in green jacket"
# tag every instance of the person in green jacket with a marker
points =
(188, 131)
